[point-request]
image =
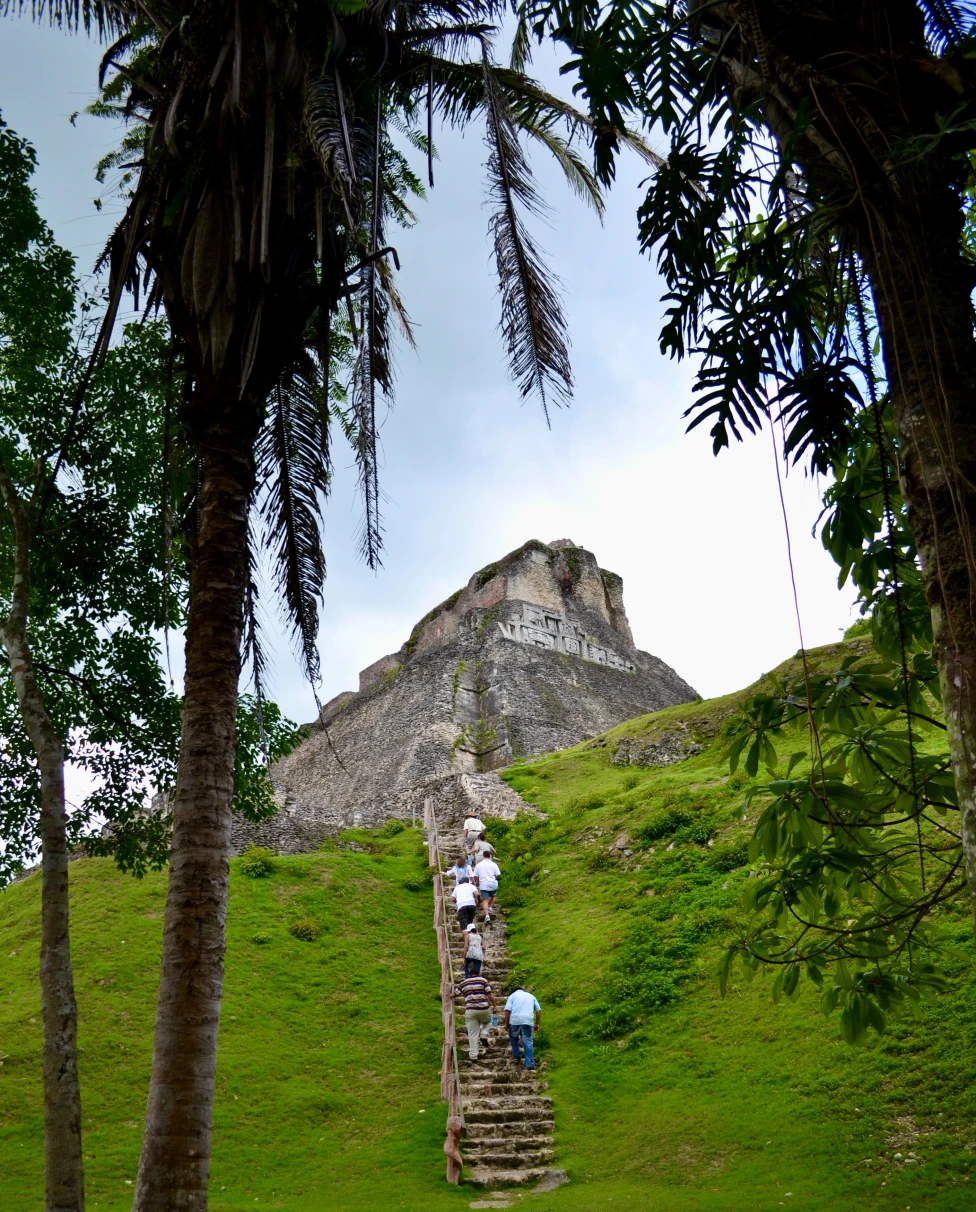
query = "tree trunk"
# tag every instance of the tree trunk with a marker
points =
(175, 1164)
(922, 290)
(64, 1183)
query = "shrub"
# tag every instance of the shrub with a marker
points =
(858, 628)
(700, 833)
(730, 857)
(583, 803)
(257, 862)
(497, 827)
(304, 928)
(261, 938)
(419, 882)
(515, 898)
(393, 826)
(664, 824)
(596, 858)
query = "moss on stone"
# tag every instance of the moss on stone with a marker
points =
(490, 571)
(443, 608)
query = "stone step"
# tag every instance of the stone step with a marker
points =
(489, 1091)
(481, 1090)
(510, 1122)
(495, 1068)
(499, 1107)
(505, 1128)
(513, 1159)
(496, 1118)
(515, 1141)
(489, 1177)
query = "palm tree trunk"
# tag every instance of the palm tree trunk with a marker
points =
(923, 290)
(64, 1183)
(175, 1164)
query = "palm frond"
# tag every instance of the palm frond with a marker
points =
(326, 124)
(253, 651)
(532, 323)
(107, 17)
(373, 370)
(520, 56)
(395, 304)
(949, 22)
(579, 176)
(294, 480)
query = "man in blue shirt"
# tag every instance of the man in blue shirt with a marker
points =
(522, 1017)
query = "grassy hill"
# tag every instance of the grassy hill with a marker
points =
(329, 1050)
(667, 1097)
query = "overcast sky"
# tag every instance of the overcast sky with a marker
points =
(469, 472)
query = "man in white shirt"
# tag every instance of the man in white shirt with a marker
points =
(523, 1014)
(473, 828)
(486, 875)
(465, 898)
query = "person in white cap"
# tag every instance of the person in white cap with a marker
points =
(474, 951)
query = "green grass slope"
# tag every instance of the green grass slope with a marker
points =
(327, 1092)
(668, 1098)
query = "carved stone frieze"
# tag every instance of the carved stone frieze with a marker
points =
(542, 628)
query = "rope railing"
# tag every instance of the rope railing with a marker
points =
(450, 1072)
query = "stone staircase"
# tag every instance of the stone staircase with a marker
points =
(508, 1116)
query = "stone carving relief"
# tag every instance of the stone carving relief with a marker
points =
(540, 627)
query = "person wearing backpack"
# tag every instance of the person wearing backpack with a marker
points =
(474, 951)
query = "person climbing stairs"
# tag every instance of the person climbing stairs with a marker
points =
(508, 1117)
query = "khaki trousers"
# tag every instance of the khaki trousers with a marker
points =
(477, 1023)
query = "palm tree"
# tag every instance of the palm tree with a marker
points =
(264, 177)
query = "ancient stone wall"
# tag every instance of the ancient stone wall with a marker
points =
(534, 654)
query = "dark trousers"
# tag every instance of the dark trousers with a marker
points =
(472, 967)
(466, 915)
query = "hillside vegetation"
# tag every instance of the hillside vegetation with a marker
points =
(625, 894)
(329, 1048)
(667, 1097)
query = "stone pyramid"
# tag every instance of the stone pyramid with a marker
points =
(534, 654)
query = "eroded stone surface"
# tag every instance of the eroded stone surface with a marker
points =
(552, 1180)
(534, 654)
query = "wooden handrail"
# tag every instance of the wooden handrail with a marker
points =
(450, 1072)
